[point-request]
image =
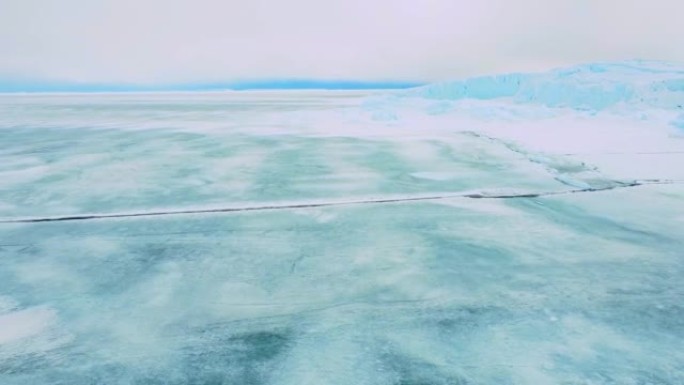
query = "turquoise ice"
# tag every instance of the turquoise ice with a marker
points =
(391, 238)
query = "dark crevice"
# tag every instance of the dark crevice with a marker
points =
(617, 185)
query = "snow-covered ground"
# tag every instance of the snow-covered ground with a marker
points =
(517, 229)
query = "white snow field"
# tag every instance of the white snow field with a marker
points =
(525, 229)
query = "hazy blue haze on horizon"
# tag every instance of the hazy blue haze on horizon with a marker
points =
(275, 84)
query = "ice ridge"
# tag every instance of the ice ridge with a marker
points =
(588, 87)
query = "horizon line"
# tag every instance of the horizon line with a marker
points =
(10, 87)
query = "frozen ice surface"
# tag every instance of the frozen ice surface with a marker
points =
(574, 276)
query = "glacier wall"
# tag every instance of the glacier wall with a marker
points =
(587, 87)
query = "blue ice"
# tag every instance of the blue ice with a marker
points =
(498, 235)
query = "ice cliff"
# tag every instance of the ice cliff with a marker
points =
(587, 87)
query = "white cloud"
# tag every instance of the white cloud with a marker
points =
(205, 40)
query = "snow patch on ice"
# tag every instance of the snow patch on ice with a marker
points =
(438, 176)
(17, 325)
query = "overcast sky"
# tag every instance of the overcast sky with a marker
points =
(153, 41)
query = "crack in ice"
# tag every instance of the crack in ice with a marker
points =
(272, 207)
